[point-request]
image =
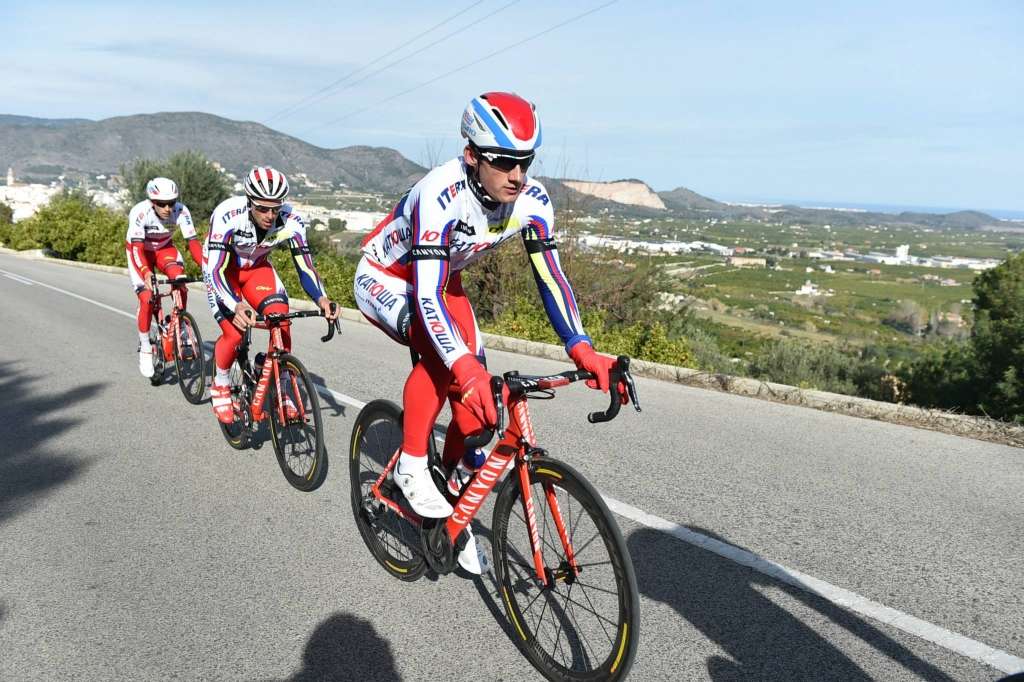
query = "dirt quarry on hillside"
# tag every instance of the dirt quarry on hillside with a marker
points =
(632, 192)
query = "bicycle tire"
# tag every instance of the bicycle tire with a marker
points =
(239, 432)
(298, 443)
(574, 629)
(191, 369)
(393, 541)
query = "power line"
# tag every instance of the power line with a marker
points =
(323, 92)
(292, 108)
(464, 66)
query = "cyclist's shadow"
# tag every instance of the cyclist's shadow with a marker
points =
(722, 600)
(346, 647)
(326, 397)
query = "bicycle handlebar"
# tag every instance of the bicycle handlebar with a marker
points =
(277, 318)
(485, 436)
(180, 280)
(519, 384)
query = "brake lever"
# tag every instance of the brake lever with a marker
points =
(631, 390)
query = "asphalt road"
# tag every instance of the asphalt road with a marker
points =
(135, 544)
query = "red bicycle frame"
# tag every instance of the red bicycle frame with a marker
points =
(170, 331)
(271, 366)
(516, 444)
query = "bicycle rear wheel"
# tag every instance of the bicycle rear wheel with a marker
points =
(239, 432)
(189, 359)
(584, 624)
(299, 438)
(393, 541)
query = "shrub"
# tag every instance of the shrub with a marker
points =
(336, 272)
(72, 227)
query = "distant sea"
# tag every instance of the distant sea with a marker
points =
(1004, 214)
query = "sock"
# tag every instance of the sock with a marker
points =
(408, 464)
(144, 341)
(222, 377)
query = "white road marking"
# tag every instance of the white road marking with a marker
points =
(965, 646)
(17, 278)
(1000, 660)
(74, 295)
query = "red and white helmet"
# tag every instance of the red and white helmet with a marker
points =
(265, 183)
(502, 122)
(162, 189)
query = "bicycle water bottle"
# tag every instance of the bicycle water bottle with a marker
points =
(471, 461)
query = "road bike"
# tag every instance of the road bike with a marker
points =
(564, 573)
(277, 387)
(176, 339)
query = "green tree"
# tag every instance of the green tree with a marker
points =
(201, 185)
(998, 338)
(6, 214)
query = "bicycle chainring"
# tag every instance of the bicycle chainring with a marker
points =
(437, 546)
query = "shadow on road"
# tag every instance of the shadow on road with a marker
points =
(720, 598)
(346, 647)
(340, 409)
(28, 468)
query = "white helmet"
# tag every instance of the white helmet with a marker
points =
(502, 122)
(265, 183)
(162, 189)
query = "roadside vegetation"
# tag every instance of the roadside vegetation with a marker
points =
(876, 331)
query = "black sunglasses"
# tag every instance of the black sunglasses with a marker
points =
(164, 204)
(266, 209)
(506, 163)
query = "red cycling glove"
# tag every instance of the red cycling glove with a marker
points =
(475, 386)
(589, 360)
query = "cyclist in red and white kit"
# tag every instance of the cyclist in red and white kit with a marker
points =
(409, 284)
(148, 246)
(241, 281)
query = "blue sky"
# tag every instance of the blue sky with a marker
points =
(915, 103)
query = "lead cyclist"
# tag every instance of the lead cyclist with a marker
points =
(409, 284)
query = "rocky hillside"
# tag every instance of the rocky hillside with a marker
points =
(630, 192)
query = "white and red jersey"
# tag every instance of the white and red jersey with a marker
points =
(233, 242)
(145, 227)
(441, 226)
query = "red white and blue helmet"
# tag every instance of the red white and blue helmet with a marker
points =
(162, 189)
(266, 184)
(502, 122)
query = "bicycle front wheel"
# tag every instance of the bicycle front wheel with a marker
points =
(583, 625)
(189, 360)
(298, 437)
(159, 364)
(239, 432)
(393, 541)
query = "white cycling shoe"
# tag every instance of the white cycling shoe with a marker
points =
(472, 559)
(146, 363)
(419, 489)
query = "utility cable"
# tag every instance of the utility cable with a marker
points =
(464, 66)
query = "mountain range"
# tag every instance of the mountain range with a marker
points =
(42, 149)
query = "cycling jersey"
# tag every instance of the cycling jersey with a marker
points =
(144, 226)
(233, 243)
(441, 226)
(148, 234)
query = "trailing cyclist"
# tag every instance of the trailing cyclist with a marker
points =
(409, 284)
(148, 246)
(241, 281)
